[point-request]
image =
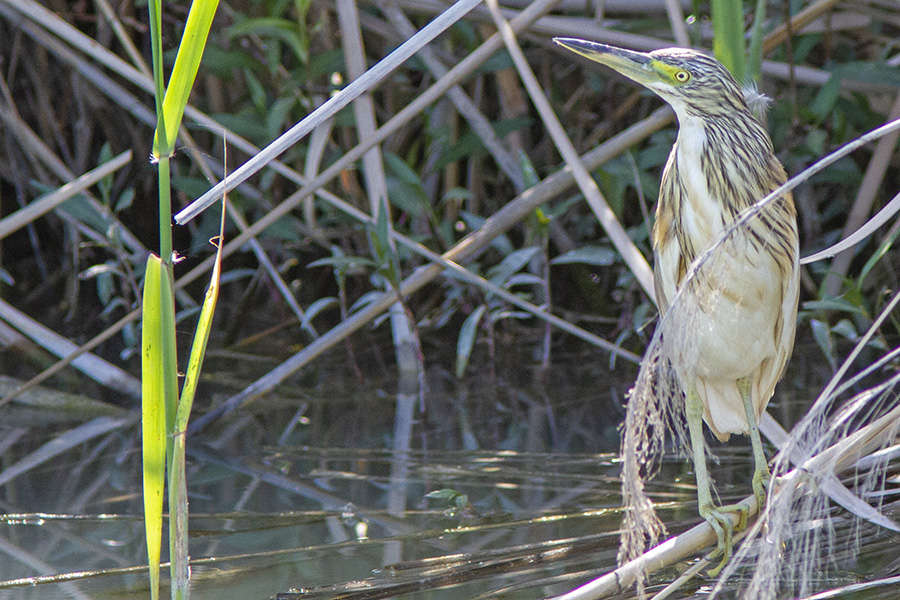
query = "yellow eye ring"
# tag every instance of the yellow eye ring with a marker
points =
(682, 76)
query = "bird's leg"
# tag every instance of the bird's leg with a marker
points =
(761, 474)
(717, 518)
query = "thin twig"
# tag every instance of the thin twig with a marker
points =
(466, 107)
(502, 220)
(676, 22)
(48, 202)
(633, 257)
(367, 81)
(862, 204)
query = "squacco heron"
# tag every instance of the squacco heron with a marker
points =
(722, 163)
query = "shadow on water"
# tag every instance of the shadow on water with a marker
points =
(292, 499)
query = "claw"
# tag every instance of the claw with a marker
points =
(718, 518)
(721, 518)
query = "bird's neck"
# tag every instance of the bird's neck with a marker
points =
(726, 158)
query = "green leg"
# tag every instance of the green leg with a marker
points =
(716, 517)
(761, 474)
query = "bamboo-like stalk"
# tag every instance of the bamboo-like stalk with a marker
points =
(466, 249)
(51, 201)
(42, 153)
(676, 22)
(466, 107)
(862, 204)
(797, 23)
(331, 107)
(633, 257)
(407, 349)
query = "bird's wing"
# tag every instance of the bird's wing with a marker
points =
(786, 326)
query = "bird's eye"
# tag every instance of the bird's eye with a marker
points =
(682, 76)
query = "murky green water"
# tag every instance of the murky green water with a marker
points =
(330, 513)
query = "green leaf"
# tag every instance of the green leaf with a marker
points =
(410, 199)
(225, 63)
(755, 51)
(827, 96)
(365, 300)
(401, 170)
(84, 212)
(198, 347)
(153, 415)
(381, 233)
(184, 72)
(385, 252)
(154, 8)
(590, 255)
(274, 27)
(316, 307)
(105, 184)
(126, 198)
(846, 329)
(877, 256)
(728, 36)
(833, 303)
(528, 170)
(256, 90)
(822, 335)
(500, 273)
(105, 287)
(443, 494)
(277, 115)
(466, 341)
(405, 188)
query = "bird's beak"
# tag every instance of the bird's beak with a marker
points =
(635, 65)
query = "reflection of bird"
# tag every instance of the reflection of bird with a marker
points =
(744, 312)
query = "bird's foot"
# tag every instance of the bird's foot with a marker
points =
(761, 478)
(719, 517)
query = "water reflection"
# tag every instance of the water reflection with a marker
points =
(325, 511)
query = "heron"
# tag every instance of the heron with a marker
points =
(722, 163)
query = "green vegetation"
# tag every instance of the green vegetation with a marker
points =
(165, 412)
(420, 240)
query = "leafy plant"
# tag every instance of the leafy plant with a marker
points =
(164, 414)
(506, 274)
(742, 60)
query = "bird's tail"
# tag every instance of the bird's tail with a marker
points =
(655, 411)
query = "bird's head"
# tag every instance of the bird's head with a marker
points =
(692, 82)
